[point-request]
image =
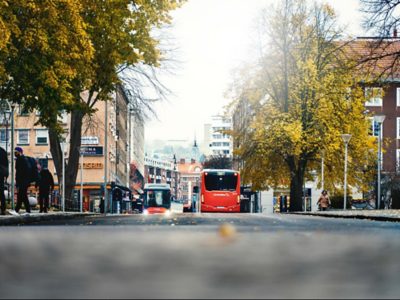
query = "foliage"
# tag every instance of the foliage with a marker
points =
(47, 49)
(218, 162)
(303, 96)
(67, 55)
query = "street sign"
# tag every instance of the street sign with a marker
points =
(92, 150)
(89, 140)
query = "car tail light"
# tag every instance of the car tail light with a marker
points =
(238, 199)
(202, 198)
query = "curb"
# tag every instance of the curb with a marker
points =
(24, 220)
(357, 216)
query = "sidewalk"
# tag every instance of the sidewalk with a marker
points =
(14, 219)
(376, 215)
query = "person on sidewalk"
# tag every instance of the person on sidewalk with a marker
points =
(46, 185)
(22, 180)
(324, 202)
(3, 177)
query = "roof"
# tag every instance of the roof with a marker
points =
(376, 57)
(190, 168)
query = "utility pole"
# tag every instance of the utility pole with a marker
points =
(105, 155)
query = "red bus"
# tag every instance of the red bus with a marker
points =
(220, 191)
(157, 199)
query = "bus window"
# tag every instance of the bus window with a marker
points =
(221, 181)
(158, 198)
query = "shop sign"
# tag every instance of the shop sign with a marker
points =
(93, 165)
(89, 140)
(92, 150)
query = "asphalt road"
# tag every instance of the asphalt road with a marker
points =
(201, 256)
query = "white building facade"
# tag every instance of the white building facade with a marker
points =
(220, 142)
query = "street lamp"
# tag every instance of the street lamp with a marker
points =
(322, 169)
(176, 178)
(81, 193)
(5, 108)
(12, 155)
(379, 119)
(63, 173)
(63, 142)
(346, 138)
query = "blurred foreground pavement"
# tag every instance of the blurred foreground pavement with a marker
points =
(185, 257)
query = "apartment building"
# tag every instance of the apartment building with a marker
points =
(34, 139)
(220, 143)
(162, 171)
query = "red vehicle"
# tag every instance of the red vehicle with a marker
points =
(157, 199)
(220, 191)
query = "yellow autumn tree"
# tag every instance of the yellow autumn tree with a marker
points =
(55, 50)
(303, 95)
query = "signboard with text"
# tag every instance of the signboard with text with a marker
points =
(92, 150)
(89, 140)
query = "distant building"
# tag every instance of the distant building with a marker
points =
(136, 153)
(162, 171)
(189, 177)
(220, 143)
(34, 139)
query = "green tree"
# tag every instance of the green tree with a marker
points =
(304, 94)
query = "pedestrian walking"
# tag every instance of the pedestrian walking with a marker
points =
(46, 186)
(22, 180)
(324, 201)
(3, 177)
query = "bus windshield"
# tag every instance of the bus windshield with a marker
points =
(158, 198)
(220, 181)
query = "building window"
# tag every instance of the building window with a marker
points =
(23, 111)
(374, 129)
(42, 137)
(398, 160)
(23, 137)
(5, 137)
(398, 96)
(373, 96)
(398, 128)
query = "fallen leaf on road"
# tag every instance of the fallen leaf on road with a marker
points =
(227, 231)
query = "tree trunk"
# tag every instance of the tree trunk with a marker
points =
(56, 153)
(71, 167)
(296, 192)
(296, 183)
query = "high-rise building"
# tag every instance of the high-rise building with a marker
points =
(220, 142)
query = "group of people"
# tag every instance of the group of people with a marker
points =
(44, 182)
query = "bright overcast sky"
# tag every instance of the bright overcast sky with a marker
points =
(214, 37)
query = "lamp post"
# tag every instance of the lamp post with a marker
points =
(81, 193)
(6, 110)
(322, 169)
(63, 174)
(176, 179)
(379, 119)
(346, 138)
(12, 156)
(105, 156)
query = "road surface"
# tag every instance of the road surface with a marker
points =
(201, 256)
